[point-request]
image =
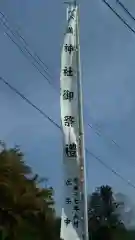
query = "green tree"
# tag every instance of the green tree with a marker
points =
(102, 214)
(26, 210)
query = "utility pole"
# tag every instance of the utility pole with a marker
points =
(82, 159)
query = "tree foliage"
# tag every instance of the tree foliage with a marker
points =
(104, 220)
(26, 209)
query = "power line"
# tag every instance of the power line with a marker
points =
(99, 134)
(122, 19)
(34, 52)
(27, 57)
(29, 102)
(125, 9)
(103, 136)
(26, 51)
(128, 182)
(15, 33)
(59, 127)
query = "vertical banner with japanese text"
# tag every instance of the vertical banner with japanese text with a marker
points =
(71, 227)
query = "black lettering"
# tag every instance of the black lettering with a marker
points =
(76, 201)
(76, 208)
(68, 201)
(67, 221)
(76, 188)
(69, 48)
(68, 71)
(69, 120)
(69, 182)
(67, 95)
(76, 180)
(70, 150)
(70, 30)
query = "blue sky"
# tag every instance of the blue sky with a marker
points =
(108, 56)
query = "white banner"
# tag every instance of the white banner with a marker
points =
(71, 226)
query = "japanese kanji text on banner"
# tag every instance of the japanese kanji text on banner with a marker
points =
(71, 227)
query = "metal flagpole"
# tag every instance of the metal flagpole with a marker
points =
(83, 186)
